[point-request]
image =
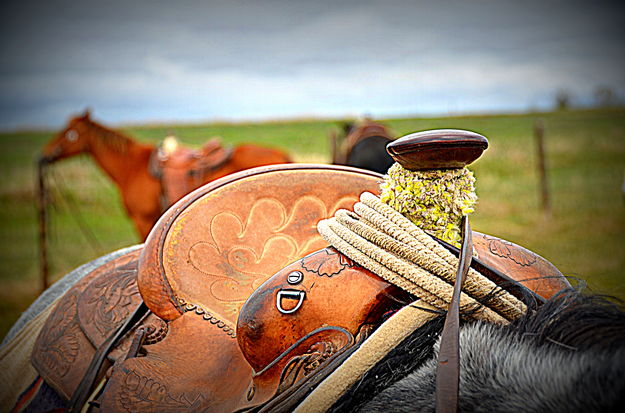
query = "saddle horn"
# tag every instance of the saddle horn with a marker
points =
(437, 149)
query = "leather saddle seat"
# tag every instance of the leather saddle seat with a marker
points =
(248, 304)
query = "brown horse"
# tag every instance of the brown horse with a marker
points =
(131, 165)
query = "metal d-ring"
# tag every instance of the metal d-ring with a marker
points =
(300, 295)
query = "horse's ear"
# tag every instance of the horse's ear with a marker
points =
(87, 113)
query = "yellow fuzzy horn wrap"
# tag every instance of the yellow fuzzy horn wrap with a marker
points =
(435, 200)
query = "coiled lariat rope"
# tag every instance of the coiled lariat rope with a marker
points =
(385, 242)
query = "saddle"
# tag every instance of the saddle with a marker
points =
(181, 169)
(249, 309)
(357, 134)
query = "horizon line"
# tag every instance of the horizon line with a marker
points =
(156, 123)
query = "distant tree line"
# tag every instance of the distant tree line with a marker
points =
(603, 97)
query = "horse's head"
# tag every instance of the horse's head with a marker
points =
(70, 141)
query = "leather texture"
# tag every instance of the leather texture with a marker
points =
(211, 272)
(220, 243)
(201, 262)
(437, 149)
(522, 265)
(88, 313)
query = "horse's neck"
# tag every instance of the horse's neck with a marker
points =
(120, 165)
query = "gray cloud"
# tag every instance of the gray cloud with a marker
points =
(149, 60)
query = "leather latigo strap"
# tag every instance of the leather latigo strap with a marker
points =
(84, 389)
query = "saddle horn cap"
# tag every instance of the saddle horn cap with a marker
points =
(437, 149)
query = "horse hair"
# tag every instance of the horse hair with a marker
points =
(113, 140)
(568, 355)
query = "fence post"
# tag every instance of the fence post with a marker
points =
(43, 220)
(539, 136)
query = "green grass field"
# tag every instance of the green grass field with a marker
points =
(583, 236)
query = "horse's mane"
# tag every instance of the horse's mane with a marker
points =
(576, 320)
(567, 355)
(110, 138)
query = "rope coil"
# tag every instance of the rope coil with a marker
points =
(385, 242)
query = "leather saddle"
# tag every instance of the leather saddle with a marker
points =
(181, 169)
(359, 133)
(248, 307)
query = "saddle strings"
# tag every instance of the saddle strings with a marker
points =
(385, 242)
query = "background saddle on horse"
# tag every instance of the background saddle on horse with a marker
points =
(181, 169)
(363, 146)
(249, 309)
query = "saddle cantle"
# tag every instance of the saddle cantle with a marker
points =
(249, 307)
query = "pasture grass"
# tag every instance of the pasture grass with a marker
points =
(583, 236)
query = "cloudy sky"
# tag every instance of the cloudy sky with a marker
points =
(141, 61)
